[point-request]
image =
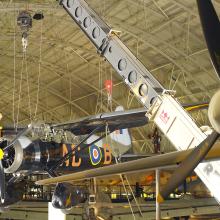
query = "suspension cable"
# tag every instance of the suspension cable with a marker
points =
(139, 208)
(20, 91)
(126, 192)
(39, 69)
(112, 88)
(14, 74)
(28, 87)
(100, 84)
(121, 176)
(68, 73)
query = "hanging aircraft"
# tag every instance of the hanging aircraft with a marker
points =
(64, 148)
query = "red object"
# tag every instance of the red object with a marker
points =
(149, 178)
(108, 86)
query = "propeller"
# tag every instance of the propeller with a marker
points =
(4, 155)
(211, 29)
(188, 165)
(21, 133)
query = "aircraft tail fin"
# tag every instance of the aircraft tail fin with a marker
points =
(211, 29)
(120, 140)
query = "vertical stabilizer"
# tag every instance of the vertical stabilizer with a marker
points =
(119, 140)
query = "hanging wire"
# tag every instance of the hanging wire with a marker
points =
(97, 103)
(145, 14)
(20, 91)
(126, 192)
(188, 34)
(70, 92)
(171, 77)
(122, 179)
(177, 79)
(39, 69)
(99, 99)
(109, 92)
(103, 9)
(137, 49)
(184, 78)
(68, 73)
(112, 89)
(96, 107)
(130, 99)
(129, 185)
(28, 87)
(14, 71)
(101, 81)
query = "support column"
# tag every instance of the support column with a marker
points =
(158, 211)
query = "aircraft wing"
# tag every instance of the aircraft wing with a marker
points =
(149, 163)
(115, 120)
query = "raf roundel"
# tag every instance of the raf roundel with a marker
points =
(95, 154)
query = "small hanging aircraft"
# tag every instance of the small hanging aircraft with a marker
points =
(63, 148)
(66, 148)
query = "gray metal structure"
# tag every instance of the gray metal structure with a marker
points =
(135, 75)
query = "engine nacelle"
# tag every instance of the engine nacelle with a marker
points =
(214, 111)
(67, 196)
(27, 155)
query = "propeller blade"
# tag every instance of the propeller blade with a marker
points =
(188, 165)
(2, 183)
(2, 174)
(211, 29)
(21, 133)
